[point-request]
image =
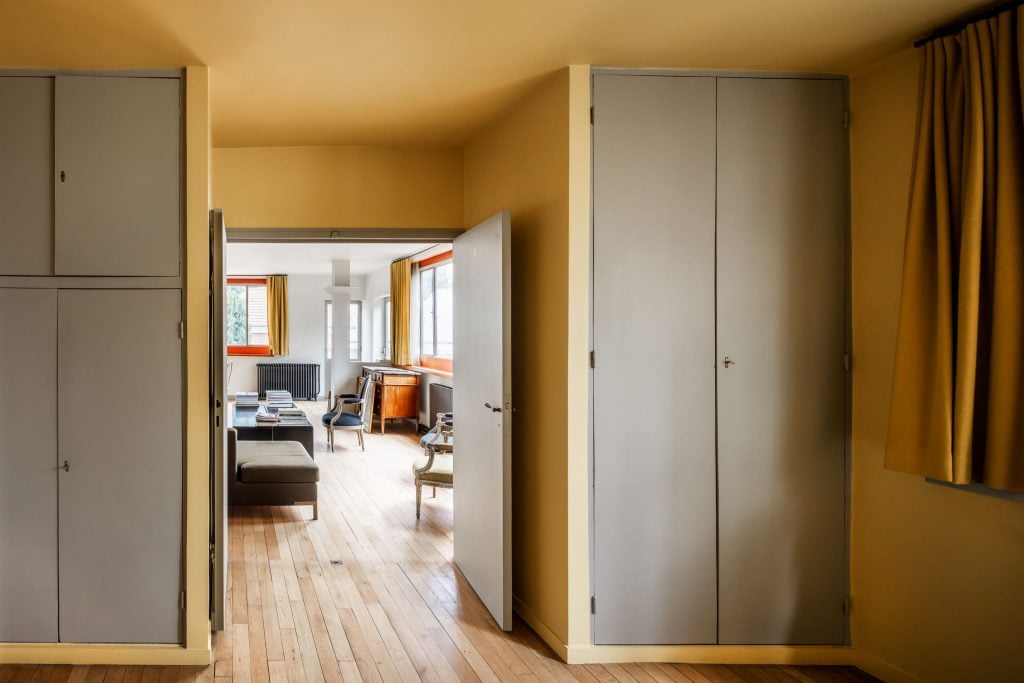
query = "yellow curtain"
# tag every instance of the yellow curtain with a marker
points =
(957, 410)
(401, 284)
(277, 314)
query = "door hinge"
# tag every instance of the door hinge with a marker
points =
(593, 605)
(591, 116)
(846, 362)
(846, 118)
(592, 362)
(181, 329)
(846, 605)
(181, 601)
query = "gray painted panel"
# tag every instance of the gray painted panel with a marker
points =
(118, 212)
(781, 319)
(119, 372)
(654, 384)
(28, 466)
(26, 176)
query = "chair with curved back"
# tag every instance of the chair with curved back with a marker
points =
(357, 421)
(436, 467)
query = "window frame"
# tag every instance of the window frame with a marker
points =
(359, 329)
(432, 360)
(246, 349)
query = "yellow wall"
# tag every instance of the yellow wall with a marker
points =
(338, 187)
(521, 163)
(938, 574)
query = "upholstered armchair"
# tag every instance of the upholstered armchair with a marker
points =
(358, 420)
(436, 466)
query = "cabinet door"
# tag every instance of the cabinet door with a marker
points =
(120, 431)
(28, 465)
(654, 381)
(26, 176)
(781, 321)
(118, 176)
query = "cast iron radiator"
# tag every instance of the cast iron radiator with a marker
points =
(440, 401)
(302, 380)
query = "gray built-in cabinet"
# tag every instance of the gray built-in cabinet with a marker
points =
(91, 358)
(719, 388)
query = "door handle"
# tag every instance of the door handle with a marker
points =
(492, 408)
(66, 467)
(728, 361)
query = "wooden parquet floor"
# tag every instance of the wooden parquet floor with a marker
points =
(368, 593)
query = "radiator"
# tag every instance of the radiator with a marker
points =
(302, 380)
(439, 401)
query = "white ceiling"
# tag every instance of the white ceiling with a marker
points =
(313, 259)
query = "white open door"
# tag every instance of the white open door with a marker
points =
(482, 405)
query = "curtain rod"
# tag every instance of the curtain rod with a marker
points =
(958, 26)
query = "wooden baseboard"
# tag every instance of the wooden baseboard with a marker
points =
(540, 628)
(712, 654)
(881, 669)
(75, 653)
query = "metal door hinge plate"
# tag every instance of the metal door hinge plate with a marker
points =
(593, 605)
(846, 605)
(181, 329)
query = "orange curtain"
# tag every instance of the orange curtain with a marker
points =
(277, 314)
(957, 411)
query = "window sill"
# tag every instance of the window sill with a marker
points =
(249, 351)
(430, 371)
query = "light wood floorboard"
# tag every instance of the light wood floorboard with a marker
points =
(369, 593)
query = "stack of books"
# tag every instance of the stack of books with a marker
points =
(264, 416)
(292, 416)
(279, 399)
(247, 399)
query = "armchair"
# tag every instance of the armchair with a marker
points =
(357, 421)
(436, 467)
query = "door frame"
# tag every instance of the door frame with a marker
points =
(298, 236)
(848, 312)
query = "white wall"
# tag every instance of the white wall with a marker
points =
(306, 297)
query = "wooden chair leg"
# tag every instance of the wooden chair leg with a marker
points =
(419, 497)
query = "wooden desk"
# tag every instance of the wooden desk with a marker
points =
(396, 393)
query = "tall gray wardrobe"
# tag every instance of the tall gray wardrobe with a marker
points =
(91, 419)
(720, 339)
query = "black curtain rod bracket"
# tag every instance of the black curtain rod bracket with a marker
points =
(956, 27)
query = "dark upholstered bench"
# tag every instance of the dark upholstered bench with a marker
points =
(271, 473)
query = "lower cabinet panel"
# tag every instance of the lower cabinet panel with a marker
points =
(28, 466)
(120, 495)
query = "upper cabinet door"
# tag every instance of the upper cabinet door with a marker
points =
(117, 176)
(26, 176)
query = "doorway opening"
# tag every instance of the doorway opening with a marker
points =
(344, 350)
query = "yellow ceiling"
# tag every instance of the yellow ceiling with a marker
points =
(433, 72)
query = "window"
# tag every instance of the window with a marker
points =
(246, 322)
(355, 330)
(328, 328)
(436, 313)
